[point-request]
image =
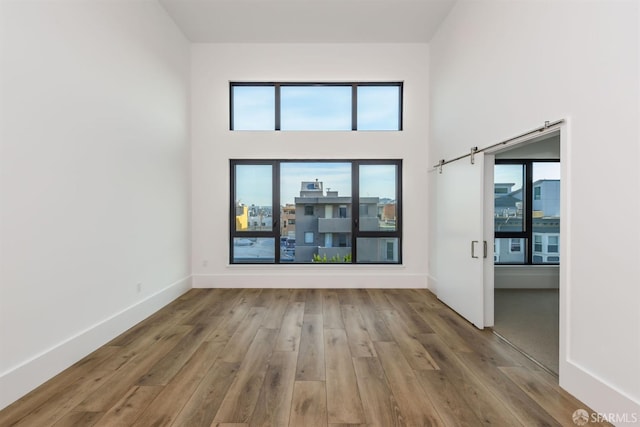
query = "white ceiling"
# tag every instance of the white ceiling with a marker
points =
(308, 21)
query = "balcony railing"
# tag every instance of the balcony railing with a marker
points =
(334, 225)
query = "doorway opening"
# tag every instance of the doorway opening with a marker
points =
(526, 202)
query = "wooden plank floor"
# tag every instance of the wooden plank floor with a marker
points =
(301, 358)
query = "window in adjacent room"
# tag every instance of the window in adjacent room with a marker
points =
(527, 211)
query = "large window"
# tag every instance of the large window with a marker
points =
(527, 211)
(316, 106)
(338, 211)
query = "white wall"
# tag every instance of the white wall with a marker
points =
(214, 65)
(501, 68)
(545, 148)
(94, 178)
(526, 277)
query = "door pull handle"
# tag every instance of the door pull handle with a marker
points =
(473, 248)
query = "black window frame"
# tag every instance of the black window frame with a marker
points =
(354, 99)
(275, 234)
(527, 210)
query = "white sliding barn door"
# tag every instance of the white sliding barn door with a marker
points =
(461, 247)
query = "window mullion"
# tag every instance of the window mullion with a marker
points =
(276, 88)
(399, 206)
(275, 192)
(528, 168)
(355, 208)
(354, 106)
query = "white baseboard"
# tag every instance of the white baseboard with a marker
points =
(432, 284)
(311, 280)
(20, 380)
(602, 398)
(526, 277)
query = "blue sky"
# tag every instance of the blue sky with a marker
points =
(513, 173)
(336, 176)
(546, 170)
(315, 108)
(253, 182)
(253, 107)
(378, 107)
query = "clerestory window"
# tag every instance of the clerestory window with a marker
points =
(287, 106)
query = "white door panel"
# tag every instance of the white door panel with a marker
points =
(460, 238)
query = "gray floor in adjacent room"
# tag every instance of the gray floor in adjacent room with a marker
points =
(528, 319)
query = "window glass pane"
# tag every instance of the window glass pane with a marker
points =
(508, 198)
(377, 249)
(377, 197)
(510, 251)
(253, 108)
(378, 107)
(253, 250)
(315, 108)
(320, 193)
(546, 212)
(287, 249)
(253, 198)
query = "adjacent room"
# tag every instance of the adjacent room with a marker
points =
(527, 248)
(283, 213)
